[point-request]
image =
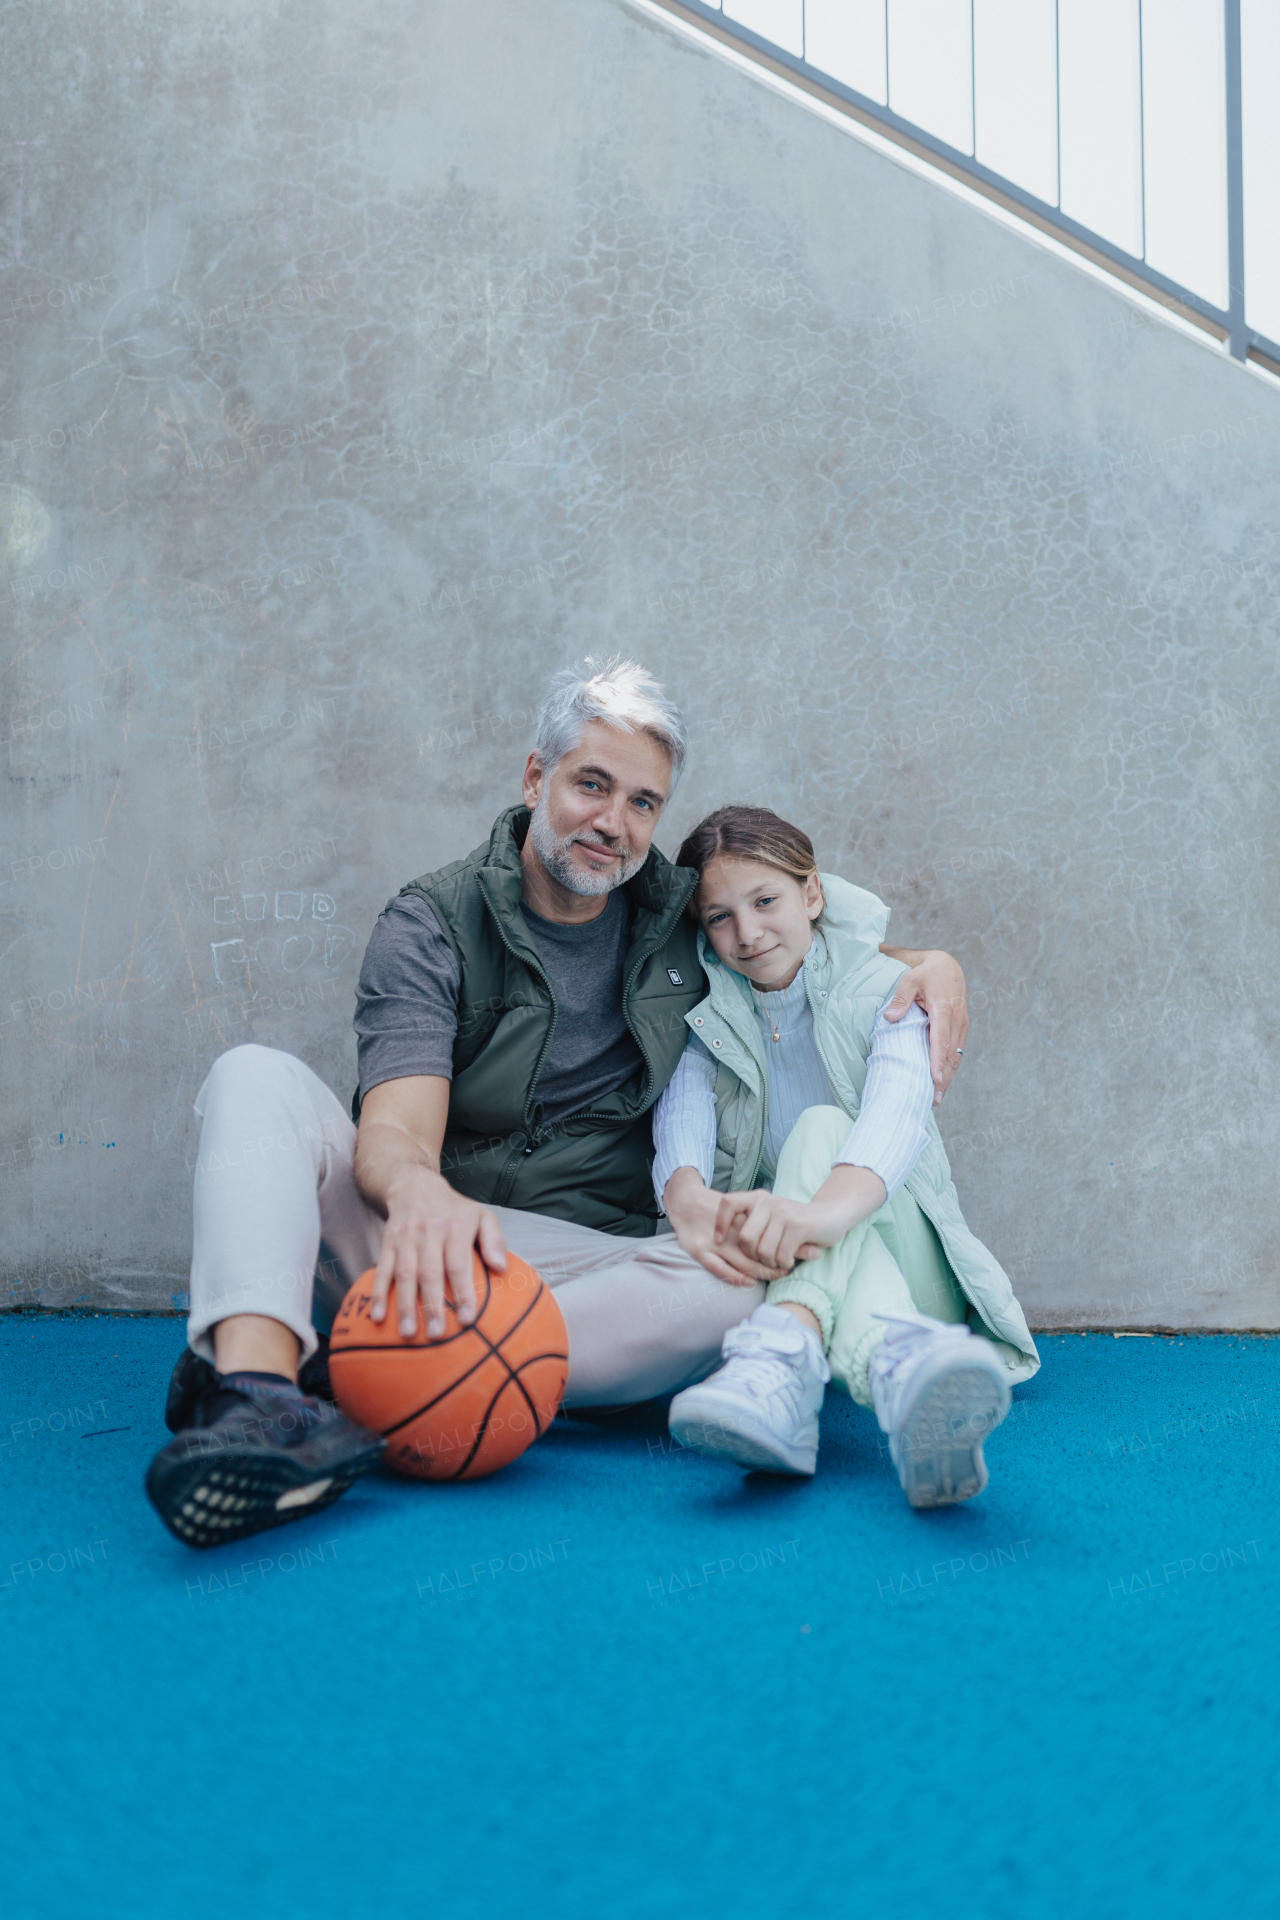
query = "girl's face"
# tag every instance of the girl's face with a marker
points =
(758, 919)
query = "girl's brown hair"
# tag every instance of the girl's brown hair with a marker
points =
(747, 833)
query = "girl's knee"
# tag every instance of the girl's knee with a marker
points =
(819, 1134)
(816, 1124)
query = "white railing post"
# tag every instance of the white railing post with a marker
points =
(1238, 339)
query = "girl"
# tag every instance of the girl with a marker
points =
(799, 1124)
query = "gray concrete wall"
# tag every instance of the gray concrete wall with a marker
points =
(363, 364)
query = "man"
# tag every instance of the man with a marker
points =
(518, 1014)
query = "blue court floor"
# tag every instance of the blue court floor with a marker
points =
(619, 1680)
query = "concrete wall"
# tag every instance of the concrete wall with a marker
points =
(363, 364)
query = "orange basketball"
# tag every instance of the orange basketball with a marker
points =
(466, 1404)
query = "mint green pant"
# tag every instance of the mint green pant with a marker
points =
(890, 1263)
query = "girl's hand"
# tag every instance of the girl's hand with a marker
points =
(778, 1232)
(774, 1230)
(693, 1210)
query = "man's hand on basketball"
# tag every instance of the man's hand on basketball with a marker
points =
(428, 1241)
(692, 1208)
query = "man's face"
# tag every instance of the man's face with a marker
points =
(594, 814)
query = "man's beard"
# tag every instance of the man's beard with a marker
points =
(555, 856)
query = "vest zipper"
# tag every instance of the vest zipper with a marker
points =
(506, 1179)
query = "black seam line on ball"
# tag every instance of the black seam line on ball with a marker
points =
(426, 1407)
(482, 1426)
(494, 1352)
(513, 1374)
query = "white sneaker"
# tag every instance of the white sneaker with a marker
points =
(938, 1393)
(761, 1407)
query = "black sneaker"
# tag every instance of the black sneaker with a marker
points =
(193, 1377)
(241, 1462)
(313, 1374)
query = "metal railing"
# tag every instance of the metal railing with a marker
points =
(1227, 324)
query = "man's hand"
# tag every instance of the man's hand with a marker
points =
(937, 982)
(431, 1231)
(778, 1231)
(693, 1208)
(429, 1238)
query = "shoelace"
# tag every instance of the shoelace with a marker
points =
(768, 1368)
(902, 1342)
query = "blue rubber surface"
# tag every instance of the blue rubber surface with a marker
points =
(620, 1680)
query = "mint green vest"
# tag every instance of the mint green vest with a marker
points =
(593, 1168)
(847, 981)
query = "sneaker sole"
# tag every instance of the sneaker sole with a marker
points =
(939, 1451)
(722, 1442)
(214, 1499)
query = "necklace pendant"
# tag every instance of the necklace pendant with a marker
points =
(776, 1034)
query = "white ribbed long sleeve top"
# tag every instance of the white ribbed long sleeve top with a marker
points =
(888, 1135)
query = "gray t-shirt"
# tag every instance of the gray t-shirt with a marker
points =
(407, 1002)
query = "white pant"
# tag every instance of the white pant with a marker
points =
(282, 1230)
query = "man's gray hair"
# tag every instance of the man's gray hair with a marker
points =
(617, 691)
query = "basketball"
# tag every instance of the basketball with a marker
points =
(468, 1403)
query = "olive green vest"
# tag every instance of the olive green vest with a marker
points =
(592, 1168)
